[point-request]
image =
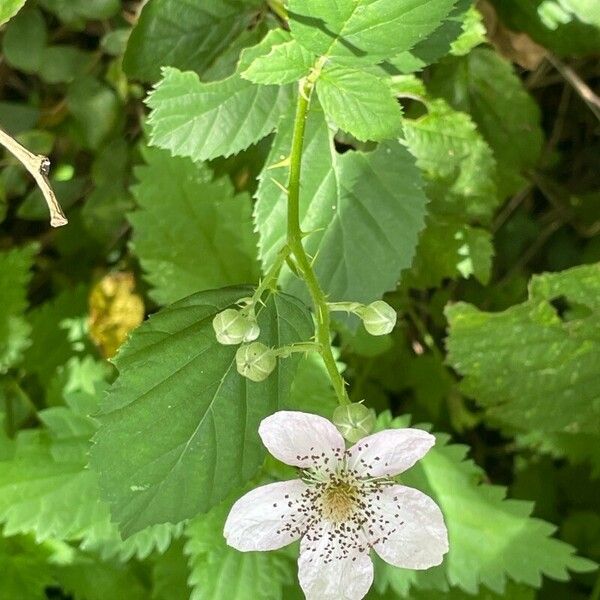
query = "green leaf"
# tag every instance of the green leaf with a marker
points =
(363, 31)
(449, 248)
(207, 120)
(95, 109)
(185, 35)
(46, 494)
(485, 85)
(179, 426)
(25, 570)
(207, 241)
(15, 275)
(284, 63)
(587, 11)
(436, 45)
(359, 102)
(46, 488)
(24, 42)
(218, 571)
(62, 64)
(567, 38)
(77, 10)
(311, 390)
(363, 212)
(511, 545)
(532, 369)
(473, 33)
(87, 578)
(170, 574)
(459, 165)
(460, 171)
(51, 327)
(9, 9)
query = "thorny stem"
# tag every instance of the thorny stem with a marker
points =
(294, 238)
(38, 166)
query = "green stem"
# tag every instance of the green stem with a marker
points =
(294, 240)
(272, 274)
(277, 7)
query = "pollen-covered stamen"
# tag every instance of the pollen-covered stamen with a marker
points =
(339, 500)
(342, 516)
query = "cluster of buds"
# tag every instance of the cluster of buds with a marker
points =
(379, 318)
(235, 326)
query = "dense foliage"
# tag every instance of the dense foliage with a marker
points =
(449, 165)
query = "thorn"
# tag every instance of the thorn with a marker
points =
(280, 186)
(304, 234)
(282, 163)
(314, 258)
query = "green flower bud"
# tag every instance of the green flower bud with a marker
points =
(255, 361)
(354, 421)
(379, 318)
(233, 327)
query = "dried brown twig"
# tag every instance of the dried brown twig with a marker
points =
(39, 167)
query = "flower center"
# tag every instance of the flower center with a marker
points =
(339, 500)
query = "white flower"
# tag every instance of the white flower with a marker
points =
(344, 505)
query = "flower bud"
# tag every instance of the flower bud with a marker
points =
(234, 327)
(379, 318)
(255, 361)
(354, 421)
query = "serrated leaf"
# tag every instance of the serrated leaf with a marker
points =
(449, 248)
(434, 46)
(363, 212)
(492, 539)
(106, 541)
(47, 490)
(529, 368)
(185, 35)
(460, 171)
(46, 495)
(359, 102)
(364, 31)
(284, 63)
(459, 165)
(10, 8)
(15, 275)
(485, 85)
(207, 120)
(51, 325)
(218, 571)
(179, 426)
(206, 242)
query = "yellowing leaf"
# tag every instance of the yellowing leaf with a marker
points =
(115, 310)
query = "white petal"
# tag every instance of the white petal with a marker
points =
(415, 535)
(328, 571)
(267, 518)
(389, 452)
(301, 439)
